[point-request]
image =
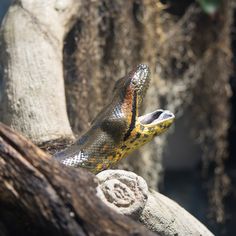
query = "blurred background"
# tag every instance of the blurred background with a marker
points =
(190, 47)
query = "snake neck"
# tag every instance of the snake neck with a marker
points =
(98, 148)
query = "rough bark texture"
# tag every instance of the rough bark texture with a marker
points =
(128, 194)
(39, 196)
(31, 60)
(213, 117)
(166, 217)
(124, 191)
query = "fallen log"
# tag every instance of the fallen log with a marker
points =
(38, 196)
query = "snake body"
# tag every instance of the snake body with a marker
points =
(118, 130)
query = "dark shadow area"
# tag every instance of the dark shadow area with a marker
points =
(185, 187)
(4, 4)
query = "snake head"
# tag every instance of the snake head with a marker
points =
(134, 84)
(141, 129)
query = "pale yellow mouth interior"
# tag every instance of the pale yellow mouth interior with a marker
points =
(156, 117)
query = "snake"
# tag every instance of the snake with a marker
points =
(118, 129)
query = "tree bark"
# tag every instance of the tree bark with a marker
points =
(31, 58)
(214, 119)
(39, 196)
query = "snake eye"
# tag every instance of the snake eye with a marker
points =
(134, 81)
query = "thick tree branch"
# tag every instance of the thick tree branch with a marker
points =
(38, 192)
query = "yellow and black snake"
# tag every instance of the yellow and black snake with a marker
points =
(118, 129)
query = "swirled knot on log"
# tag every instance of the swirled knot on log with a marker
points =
(123, 191)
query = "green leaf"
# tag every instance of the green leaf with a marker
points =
(209, 6)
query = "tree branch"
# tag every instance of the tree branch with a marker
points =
(41, 196)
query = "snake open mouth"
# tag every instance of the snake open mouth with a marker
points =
(156, 117)
(140, 79)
